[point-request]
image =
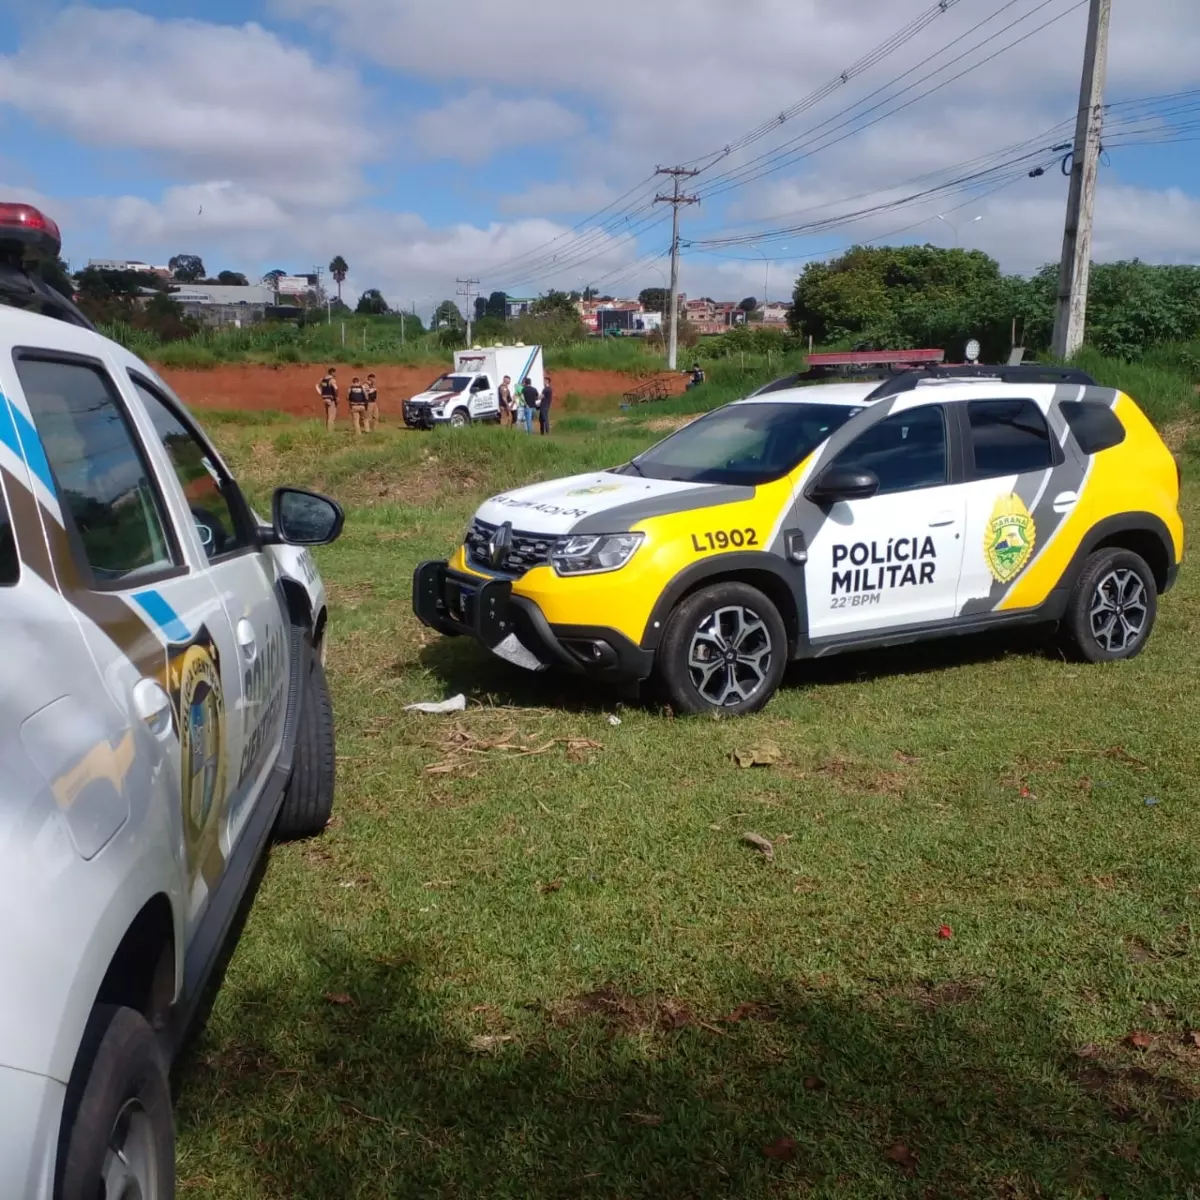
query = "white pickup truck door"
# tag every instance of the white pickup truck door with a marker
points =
(483, 402)
(892, 559)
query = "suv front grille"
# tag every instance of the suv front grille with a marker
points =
(528, 550)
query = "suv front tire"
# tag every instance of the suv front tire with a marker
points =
(724, 651)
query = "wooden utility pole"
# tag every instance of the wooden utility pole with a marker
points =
(675, 200)
(1070, 309)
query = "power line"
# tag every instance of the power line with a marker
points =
(676, 200)
(466, 291)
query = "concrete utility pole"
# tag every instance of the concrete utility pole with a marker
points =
(1070, 308)
(675, 200)
(465, 290)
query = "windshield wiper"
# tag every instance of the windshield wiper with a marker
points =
(633, 463)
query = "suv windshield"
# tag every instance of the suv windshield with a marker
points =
(449, 383)
(743, 443)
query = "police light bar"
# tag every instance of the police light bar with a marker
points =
(26, 232)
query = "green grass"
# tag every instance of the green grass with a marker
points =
(551, 968)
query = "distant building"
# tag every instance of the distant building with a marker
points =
(219, 304)
(776, 313)
(515, 306)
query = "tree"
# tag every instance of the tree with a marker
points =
(371, 302)
(339, 270)
(497, 306)
(748, 305)
(554, 303)
(271, 278)
(480, 308)
(233, 279)
(447, 315)
(655, 299)
(187, 268)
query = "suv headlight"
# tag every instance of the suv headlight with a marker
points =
(593, 555)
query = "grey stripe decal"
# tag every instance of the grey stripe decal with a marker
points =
(1037, 491)
(623, 517)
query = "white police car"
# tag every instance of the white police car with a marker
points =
(163, 715)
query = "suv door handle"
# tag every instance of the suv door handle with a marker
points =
(153, 705)
(246, 640)
(1065, 501)
(942, 520)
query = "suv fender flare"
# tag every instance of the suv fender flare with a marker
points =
(785, 586)
(1141, 524)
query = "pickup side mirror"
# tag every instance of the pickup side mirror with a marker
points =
(843, 483)
(303, 518)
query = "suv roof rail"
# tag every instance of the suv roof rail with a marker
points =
(967, 372)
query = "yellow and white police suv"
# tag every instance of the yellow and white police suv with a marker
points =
(803, 522)
(163, 717)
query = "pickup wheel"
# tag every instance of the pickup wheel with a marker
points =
(1112, 609)
(118, 1132)
(724, 651)
(308, 801)
(459, 419)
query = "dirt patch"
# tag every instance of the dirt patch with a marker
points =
(292, 389)
(853, 777)
(943, 995)
(1176, 433)
(625, 1013)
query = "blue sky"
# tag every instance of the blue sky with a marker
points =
(424, 142)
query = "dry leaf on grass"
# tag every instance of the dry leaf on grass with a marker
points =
(489, 1043)
(555, 885)
(640, 1118)
(945, 932)
(765, 754)
(782, 1149)
(341, 999)
(813, 1084)
(1141, 1040)
(760, 843)
(1194, 1038)
(902, 1156)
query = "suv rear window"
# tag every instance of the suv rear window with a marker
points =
(1095, 426)
(1009, 437)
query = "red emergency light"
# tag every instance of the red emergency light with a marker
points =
(26, 232)
(876, 358)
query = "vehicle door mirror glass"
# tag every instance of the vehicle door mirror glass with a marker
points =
(844, 483)
(304, 518)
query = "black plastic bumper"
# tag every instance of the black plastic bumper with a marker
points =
(486, 609)
(417, 416)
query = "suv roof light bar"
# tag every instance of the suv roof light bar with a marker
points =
(1029, 373)
(27, 235)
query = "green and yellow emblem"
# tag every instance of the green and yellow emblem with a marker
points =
(1008, 538)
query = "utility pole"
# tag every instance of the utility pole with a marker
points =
(675, 200)
(465, 290)
(1070, 309)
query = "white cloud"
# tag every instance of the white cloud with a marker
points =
(217, 101)
(558, 198)
(479, 125)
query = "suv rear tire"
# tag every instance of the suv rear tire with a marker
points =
(118, 1134)
(308, 801)
(724, 650)
(1112, 607)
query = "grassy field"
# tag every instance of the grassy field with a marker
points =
(533, 956)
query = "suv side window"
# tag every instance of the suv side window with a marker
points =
(10, 564)
(1095, 426)
(906, 450)
(1009, 437)
(104, 485)
(205, 488)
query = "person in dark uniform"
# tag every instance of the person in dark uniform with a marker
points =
(356, 397)
(529, 398)
(372, 404)
(508, 406)
(544, 407)
(697, 377)
(327, 389)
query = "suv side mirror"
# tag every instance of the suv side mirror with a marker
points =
(303, 518)
(843, 483)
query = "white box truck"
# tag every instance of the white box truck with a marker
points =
(468, 393)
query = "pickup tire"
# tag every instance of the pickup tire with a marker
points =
(118, 1131)
(459, 419)
(724, 651)
(308, 802)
